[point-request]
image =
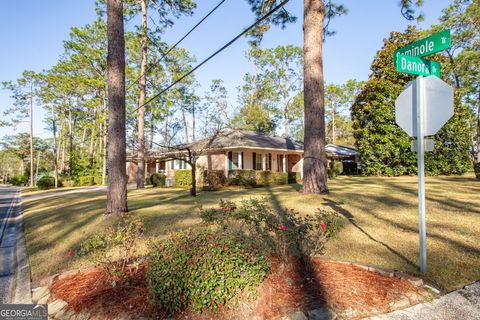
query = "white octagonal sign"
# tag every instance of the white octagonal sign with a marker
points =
(437, 101)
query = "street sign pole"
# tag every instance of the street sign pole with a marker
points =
(419, 101)
(422, 108)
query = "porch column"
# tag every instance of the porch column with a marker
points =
(167, 164)
(301, 168)
(146, 168)
(226, 164)
(284, 163)
(157, 166)
(240, 160)
(264, 162)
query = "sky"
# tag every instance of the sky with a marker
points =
(33, 31)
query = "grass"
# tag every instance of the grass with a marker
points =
(382, 228)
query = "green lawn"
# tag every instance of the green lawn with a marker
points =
(382, 228)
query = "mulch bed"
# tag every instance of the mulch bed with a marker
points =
(339, 286)
(290, 286)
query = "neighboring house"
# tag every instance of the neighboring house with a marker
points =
(236, 149)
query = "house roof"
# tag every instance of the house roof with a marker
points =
(231, 139)
(341, 151)
(252, 139)
(240, 138)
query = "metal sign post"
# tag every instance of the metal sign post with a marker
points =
(423, 107)
(419, 106)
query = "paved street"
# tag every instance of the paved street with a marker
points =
(460, 304)
(14, 272)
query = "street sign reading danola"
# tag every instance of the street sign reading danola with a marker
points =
(407, 59)
(415, 65)
(422, 109)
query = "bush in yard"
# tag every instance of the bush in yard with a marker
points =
(244, 178)
(285, 233)
(68, 182)
(86, 181)
(116, 248)
(331, 173)
(204, 268)
(18, 180)
(323, 225)
(280, 178)
(148, 180)
(214, 179)
(337, 167)
(476, 168)
(158, 179)
(98, 180)
(183, 177)
(264, 178)
(47, 182)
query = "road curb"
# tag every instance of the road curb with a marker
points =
(20, 280)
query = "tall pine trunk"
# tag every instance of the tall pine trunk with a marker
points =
(55, 150)
(333, 125)
(117, 175)
(315, 160)
(63, 155)
(478, 127)
(70, 143)
(104, 144)
(185, 124)
(91, 148)
(36, 169)
(31, 138)
(141, 101)
(193, 121)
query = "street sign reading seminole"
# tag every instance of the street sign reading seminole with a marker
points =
(432, 44)
(407, 59)
(422, 109)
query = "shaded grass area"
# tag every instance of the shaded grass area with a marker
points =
(382, 228)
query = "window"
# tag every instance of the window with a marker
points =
(280, 163)
(235, 160)
(232, 160)
(259, 162)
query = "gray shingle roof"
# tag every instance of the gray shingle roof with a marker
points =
(253, 139)
(240, 138)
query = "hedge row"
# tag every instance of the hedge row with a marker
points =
(476, 168)
(183, 177)
(215, 179)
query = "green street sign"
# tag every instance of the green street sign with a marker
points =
(436, 42)
(415, 65)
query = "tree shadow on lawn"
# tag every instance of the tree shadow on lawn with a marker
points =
(313, 290)
(406, 227)
(441, 265)
(349, 216)
(456, 204)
